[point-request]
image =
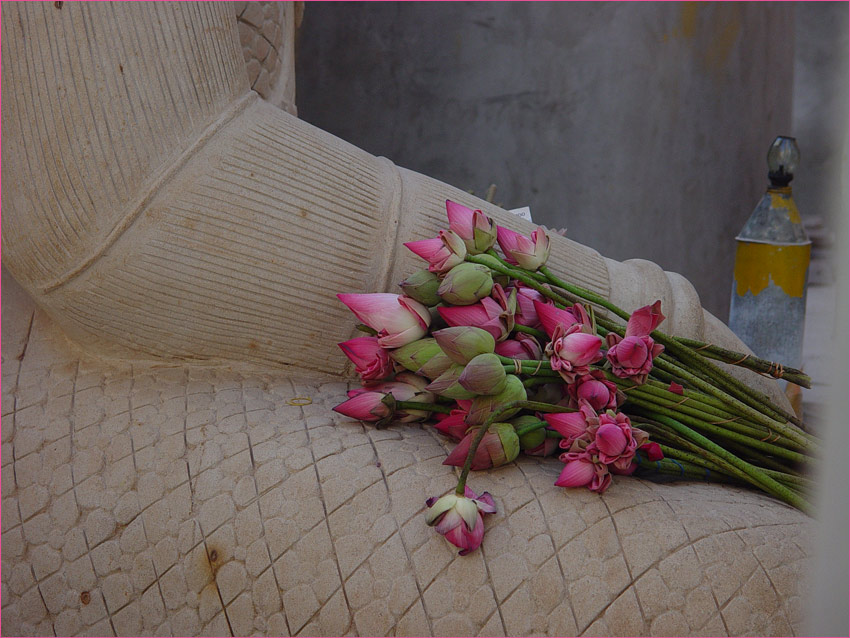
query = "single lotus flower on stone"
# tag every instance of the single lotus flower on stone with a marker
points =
(460, 518)
(422, 286)
(465, 284)
(523, 346)
(551, 317)
(583, 469)
(476, 229)
(483, 406)
(526, 253)
(371, 361)
(463, 343)
(571, 351)
(442, 253)
(594, 388)
(398, 320)
(499, 446)
(495, 313)
(485, 374)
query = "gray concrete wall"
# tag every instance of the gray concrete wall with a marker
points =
(642, 128)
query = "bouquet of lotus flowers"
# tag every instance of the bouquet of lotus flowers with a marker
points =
(504, 357)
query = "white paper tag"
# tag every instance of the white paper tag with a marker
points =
(524, 212)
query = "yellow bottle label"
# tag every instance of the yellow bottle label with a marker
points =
(757, 265)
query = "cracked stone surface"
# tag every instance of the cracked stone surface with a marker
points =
(179, 500)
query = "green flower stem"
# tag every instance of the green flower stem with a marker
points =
(752, 413)
(723, 433)
(428, 407)
(727, 381)
(697, 399)
(680, 468)
(493, 418)
(752, 362)
(531, 331)
(695, 410)
(584, 293)
(530, 382)
(756, 457)
(532, 364)
(675, 442)
(496, 264)
(791, 479)
(771, 486)
(530, 427)
(703, 463)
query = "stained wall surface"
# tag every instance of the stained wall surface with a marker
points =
(641, 128)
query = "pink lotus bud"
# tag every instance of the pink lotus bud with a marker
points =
(551, 317)
(399, 320)
(442, 253)
(527, 253)
(652, 450)
(644, 320)
(526, 314)
(454, 425)
(523, 347)
(435, 366)
(465, 284)
(460, 518)
(406, 387)
(594, 388)
(631, 358)
(463, 343)
(485, 374)
(476, 229)
(370, 360)
(422, 286)
(572, 425)
(495, 314)
(610, 440)
(368, 406)
(499, 446)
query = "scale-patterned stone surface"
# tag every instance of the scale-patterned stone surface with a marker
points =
(151, 499)
(266, 34)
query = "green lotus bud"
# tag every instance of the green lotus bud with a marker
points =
(415, 355)
(485, 374)
(422, 286)
(465, 284)
(532, 439)
(483, 406)
(509, 439)
(436, 366)
(463, 343)
(446, 385)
